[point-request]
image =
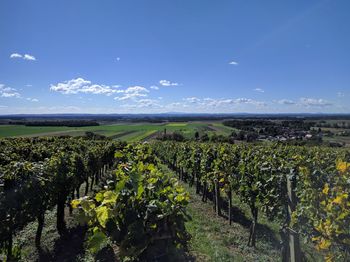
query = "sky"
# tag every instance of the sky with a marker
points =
(155, 56)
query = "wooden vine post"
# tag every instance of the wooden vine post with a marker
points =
(294, 244)
(229, 195)
(217, 198)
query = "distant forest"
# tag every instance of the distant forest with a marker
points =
(252, 124)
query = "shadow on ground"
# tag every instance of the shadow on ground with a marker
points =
(67, 248)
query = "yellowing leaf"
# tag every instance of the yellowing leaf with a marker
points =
(182, 197)
(315, 238)
(329, 258)
(325, 189)
(339, 199)
(109, 197)
(75, 203)
(102, 215)
(343, 166)
(324, 244)
(99, 197)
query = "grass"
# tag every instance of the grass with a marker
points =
(107, 130)
(53, 247)
(145, 135)
(176, 124)
(132, 137)
(19, 130)
(225, 130)
(213, 239)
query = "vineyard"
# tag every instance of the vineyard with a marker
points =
(130, 203)
(135, 206)
(305, 189)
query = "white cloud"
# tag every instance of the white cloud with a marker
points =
(24, 57)
(32, 99)
(192, 100)
(29, 85)
(216, 103)
(80, 85)
(312, 102)
(259, 90)
(233, 63)
(5, 94)
(29, 57)
(212, 105)
(243, 100)
(132, 93)
(134, 89)
(340, 94)
(305, 102)
(6, 91)
(148, 103)
(286, 102)
(176, 106)
(249, 101)
(154, 87)
(167, 83)
(118, 58)
(15, 55)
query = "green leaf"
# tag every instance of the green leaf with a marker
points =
(97, 241)
(118, 154)
(87, 205)
(140, 190)
(120, 186)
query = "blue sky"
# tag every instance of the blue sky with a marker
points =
(147, 56)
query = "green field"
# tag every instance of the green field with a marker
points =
(125, 131)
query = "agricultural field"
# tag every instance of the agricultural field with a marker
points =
(125, 131)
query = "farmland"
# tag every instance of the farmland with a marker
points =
(123, 131)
